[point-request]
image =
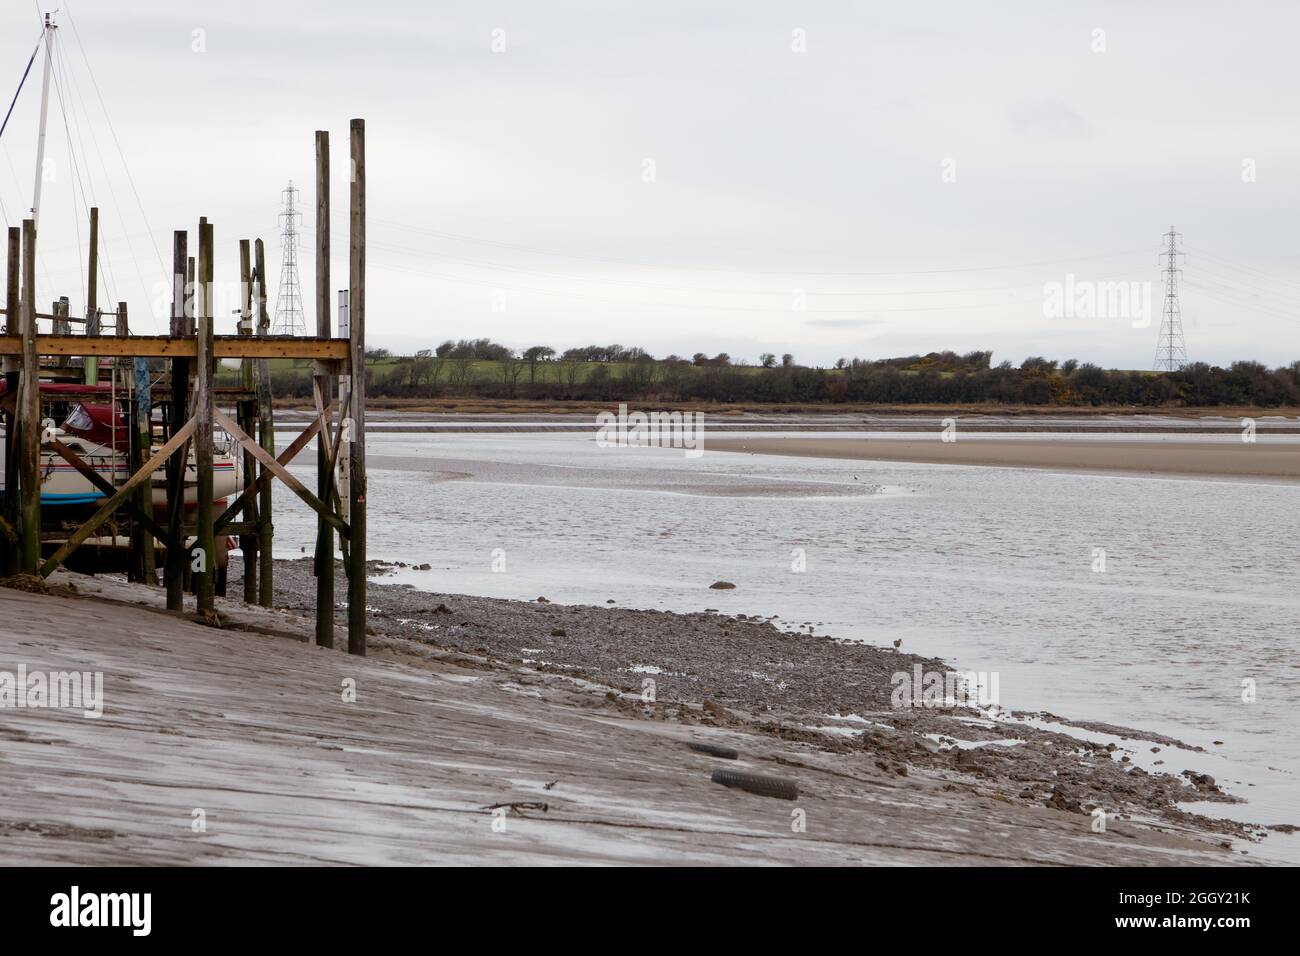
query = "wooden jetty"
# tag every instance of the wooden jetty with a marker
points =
(191, 407)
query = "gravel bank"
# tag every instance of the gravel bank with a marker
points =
(746, 674)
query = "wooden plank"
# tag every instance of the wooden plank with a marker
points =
(29, 415)
(165, 346)
(322, 390)
(205, 369)
(123, 493)
(357, 449)
(292, 483)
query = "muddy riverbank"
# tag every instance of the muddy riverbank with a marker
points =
(837, 696)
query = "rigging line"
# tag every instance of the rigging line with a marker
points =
(105, 260)
(632, 262)
(42, 265)
(69, 84)
(14, 101)
(59, 83)
(122, 155)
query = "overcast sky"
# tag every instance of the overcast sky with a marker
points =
(823, 178)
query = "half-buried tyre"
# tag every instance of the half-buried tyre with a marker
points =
(757, 783)
(713, 750)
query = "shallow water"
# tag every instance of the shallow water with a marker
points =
(989, 568)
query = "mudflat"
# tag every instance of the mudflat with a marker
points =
(1265, 458)
(453, 743)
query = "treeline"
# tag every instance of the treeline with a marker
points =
(484, 369)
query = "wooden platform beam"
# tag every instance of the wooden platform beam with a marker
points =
(166, 346)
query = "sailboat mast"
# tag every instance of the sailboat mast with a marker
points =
(45, 108)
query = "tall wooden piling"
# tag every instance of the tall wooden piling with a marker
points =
(265, 435)
(29, 415)
(142, 448)
(180, 385)
(357, 431)
(205, 546)
(13, 323)
(90, 364)
(324, 395)
(248, 422)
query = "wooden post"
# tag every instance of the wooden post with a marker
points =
(175, 569)
(29, 415)
(345, 393)
(13, 324)
(266, 436)
(324, 395)
(61, 326)
(143, 445)
(205, 574)
(90, 364)
(123, 326)
(247, 418)
(357, 449)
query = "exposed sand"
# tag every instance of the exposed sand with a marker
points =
(1235, 459)
(250, 728)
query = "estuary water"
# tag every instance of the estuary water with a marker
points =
(1154, 603)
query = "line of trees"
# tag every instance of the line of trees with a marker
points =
(610, 373)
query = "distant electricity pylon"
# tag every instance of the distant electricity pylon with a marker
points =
(1171, 352)
(289, 318)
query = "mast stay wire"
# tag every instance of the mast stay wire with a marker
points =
(106, 270)
(163, 271)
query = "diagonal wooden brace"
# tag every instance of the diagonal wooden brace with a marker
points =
(251, 491)
(293, 484)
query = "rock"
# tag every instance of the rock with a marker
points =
(722, 586)
(424, 567)
(542, 600)
(715, 709)
(1060, 801)
(441, 609)
(558, 632)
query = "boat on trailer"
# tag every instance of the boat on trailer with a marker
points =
(97, 433)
